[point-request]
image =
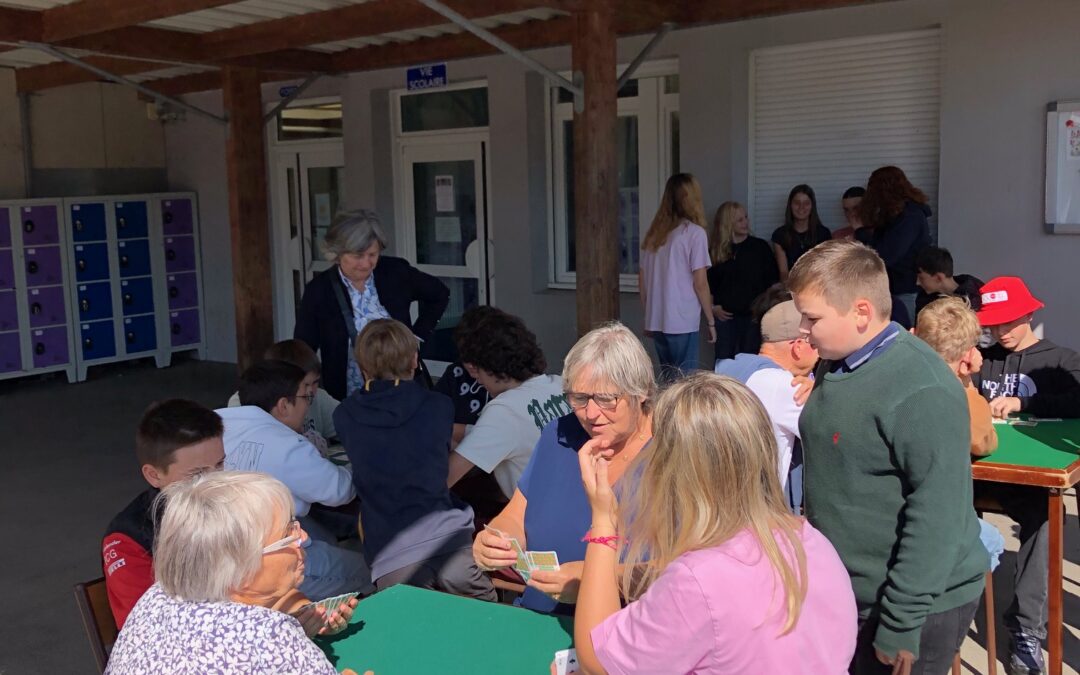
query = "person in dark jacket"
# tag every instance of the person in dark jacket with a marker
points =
(897, 211)
(397, 437)
(935, 279)
(1022, 373)
(802, 229)
(362, 285)
(743, 267)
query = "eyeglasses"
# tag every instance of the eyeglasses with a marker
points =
(294, 537)
(578, 400)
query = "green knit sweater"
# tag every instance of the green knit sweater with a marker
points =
(888, 481)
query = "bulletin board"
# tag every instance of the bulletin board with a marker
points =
(1063, 167)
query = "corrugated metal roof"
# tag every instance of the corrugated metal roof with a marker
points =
(253, 11)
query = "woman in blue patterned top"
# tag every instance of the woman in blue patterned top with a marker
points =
(363, 285)
(227, 559)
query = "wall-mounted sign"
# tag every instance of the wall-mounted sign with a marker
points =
(286, 91)
(426, 77)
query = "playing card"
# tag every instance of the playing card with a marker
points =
(565, 662)
(330, 604)
(546, 561)
(522, 566)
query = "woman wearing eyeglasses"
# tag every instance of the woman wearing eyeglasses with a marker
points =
(609, 383)
(227, 558)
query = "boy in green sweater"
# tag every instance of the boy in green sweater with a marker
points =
(887, 478)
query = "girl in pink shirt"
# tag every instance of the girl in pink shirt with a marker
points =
(721, 578)
(673, 281)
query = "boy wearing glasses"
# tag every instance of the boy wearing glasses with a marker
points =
(784, 352)
(176, 440)
(265, 434)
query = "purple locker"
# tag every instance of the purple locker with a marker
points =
(49, 346)
(176, 217)
(39, 225)
(9, 311)
(43, 266)
(10, 354)
(183, 291)
(179, 254)
(184, 327)
(46, 306)
(7, 268)
(5, 227)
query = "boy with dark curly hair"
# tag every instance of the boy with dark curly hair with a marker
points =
(502, 354)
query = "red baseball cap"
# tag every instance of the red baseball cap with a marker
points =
(1006, 299)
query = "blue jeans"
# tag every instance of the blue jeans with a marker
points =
(992, 541)
(330, 570)
(677, 353)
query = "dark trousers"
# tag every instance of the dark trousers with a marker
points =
(941, 637)
(455, 573)
(1027, 505)
(733, 337)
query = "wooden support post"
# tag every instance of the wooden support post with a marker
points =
(596, 203)
(249, 221)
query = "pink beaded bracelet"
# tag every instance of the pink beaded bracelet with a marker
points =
(606, 541)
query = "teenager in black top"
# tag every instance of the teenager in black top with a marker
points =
(743, 267)
(802, 229)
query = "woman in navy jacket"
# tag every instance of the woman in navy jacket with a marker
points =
(362, 285)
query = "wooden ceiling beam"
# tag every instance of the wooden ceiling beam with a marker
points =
(88, 17)
(18, 25)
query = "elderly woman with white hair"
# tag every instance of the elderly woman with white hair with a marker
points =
(609, 384)
(226, 558)
(363, 285)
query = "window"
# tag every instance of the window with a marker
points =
(829, 113)
(309, 121)
(456, 108)
(647, 138)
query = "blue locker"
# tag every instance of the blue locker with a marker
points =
(137, 296)
(131, 221)
(98, 340)
(140, 334)
(91, 262)
(88, 222)
(134, 257)
(95, 301)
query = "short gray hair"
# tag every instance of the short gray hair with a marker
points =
(210, 537)
(352, 232)
(614, 355)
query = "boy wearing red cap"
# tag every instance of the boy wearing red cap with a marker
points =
(1022, 373)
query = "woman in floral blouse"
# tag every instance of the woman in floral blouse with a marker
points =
(227, 560)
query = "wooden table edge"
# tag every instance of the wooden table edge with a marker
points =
(1027, 475)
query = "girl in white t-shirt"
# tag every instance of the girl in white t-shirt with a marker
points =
(673, 278)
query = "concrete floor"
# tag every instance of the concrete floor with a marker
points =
(69, 467)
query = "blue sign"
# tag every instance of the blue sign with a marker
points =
(427, 77)
(286, 91)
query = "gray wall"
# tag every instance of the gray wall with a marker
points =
(1003, 61)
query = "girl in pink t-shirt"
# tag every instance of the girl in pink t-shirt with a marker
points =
(673, 280)
(721, 578)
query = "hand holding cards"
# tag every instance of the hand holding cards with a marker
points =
(336, 614)
(528, 561)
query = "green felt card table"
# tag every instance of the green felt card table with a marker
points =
(1045, 455)
(405, 630)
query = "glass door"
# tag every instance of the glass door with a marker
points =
(445, 230)
(307, 188)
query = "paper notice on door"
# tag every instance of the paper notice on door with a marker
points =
(448, 229)
(1072, 137)
(323, 213)
(444, 194)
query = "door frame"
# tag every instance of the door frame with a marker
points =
(287, 254)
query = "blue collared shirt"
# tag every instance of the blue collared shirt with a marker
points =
(366, 308)
(876, 347)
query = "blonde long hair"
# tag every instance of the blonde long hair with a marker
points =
(709, 473)
(681, 201)
(723, 231)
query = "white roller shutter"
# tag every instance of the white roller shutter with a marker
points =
(829, 113)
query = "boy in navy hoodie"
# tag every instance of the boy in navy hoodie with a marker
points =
(397, 436)
(1021, 373)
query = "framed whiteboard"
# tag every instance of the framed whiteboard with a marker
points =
(1063, 167)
